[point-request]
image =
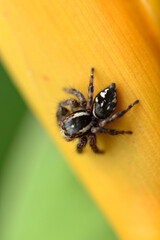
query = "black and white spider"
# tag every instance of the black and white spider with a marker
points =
(92, 117)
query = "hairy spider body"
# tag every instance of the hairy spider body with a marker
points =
(92, 117)
(76, 125)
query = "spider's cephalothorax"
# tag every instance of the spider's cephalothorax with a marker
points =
(89, 116)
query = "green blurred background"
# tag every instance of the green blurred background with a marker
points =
(40, 198)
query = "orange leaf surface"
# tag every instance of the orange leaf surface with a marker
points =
(48, 45)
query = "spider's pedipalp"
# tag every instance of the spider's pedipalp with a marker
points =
(74, 104)
(78, 94)
(61, 113)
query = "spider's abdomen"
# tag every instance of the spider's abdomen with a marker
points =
(105, 102)
(76, 124)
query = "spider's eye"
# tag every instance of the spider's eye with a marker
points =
(105, 102)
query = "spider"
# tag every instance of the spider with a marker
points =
(93, 116)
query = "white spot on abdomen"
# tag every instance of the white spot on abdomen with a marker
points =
(106, 90)
(103, 94)
(96, 99)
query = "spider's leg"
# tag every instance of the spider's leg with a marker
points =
(61, 113)
(78, 94)
(81, 144)
(90, 91)
(108, 131)
(70, 102)
(117, 115)
(92, 143)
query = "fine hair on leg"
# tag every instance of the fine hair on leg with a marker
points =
(61, 113)
(79, 95)
(109, 131)
(92, 143)
(81, 144)
(90, 91)
(117, 115)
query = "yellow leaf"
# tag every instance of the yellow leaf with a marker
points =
(48, 45)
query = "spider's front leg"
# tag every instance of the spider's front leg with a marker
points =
(81, 144)
(79, 95)
(92, 143)
(117, 115)
(108, 131)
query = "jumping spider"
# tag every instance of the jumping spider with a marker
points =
(92, 117)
